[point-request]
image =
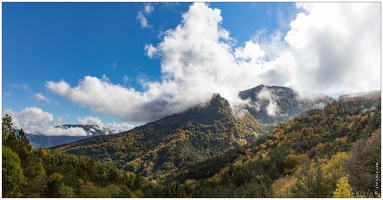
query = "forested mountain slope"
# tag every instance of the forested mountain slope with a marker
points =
(161, 148)
(322, 149)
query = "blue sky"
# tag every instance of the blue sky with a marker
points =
(125, 64)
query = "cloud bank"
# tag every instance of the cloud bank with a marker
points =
(330, 48)
(34, 120)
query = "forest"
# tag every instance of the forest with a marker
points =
(322, 153)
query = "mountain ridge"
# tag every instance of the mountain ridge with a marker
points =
(44, 141)
(157, 149)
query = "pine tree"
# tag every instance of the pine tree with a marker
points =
(7, 127)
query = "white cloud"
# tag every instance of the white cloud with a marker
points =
(31, 119)
(144, 23)
(89, 120)
(41, 97)
(34, 120)
(336, 47)
(251, 53)
(118, 127)
(330, 48)
(72, 131)
(150, 50)
(272, 108)
(113, 127)
(148, 8)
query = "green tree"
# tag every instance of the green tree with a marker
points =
(114, 191)
(173, 191)
(65, 191)
(13, 178)
(53, 184)
(312, 183)
(89, 190)
(343, 189)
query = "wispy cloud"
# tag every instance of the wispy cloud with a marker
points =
(20, 86)
(144, 23)
(140, 16)
(41, 97)
(125, 79)
(148, 8)
(330, 48)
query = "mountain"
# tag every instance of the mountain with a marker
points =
(305, 157)
(160, 148)
(272, 105)
(209, 151)
(43, 141)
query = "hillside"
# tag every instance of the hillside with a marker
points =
(160, 148)
(28, 172)
(318, 148)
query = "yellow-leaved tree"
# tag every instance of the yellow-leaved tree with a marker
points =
(343, 189)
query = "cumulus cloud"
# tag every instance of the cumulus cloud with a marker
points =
(31, 119)
(336, 47)
(330, 48)
(150, 50)
(89, 120)
(34, 120)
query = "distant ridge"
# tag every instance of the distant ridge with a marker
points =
(43, 141)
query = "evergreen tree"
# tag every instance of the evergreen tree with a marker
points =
(7, 127)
